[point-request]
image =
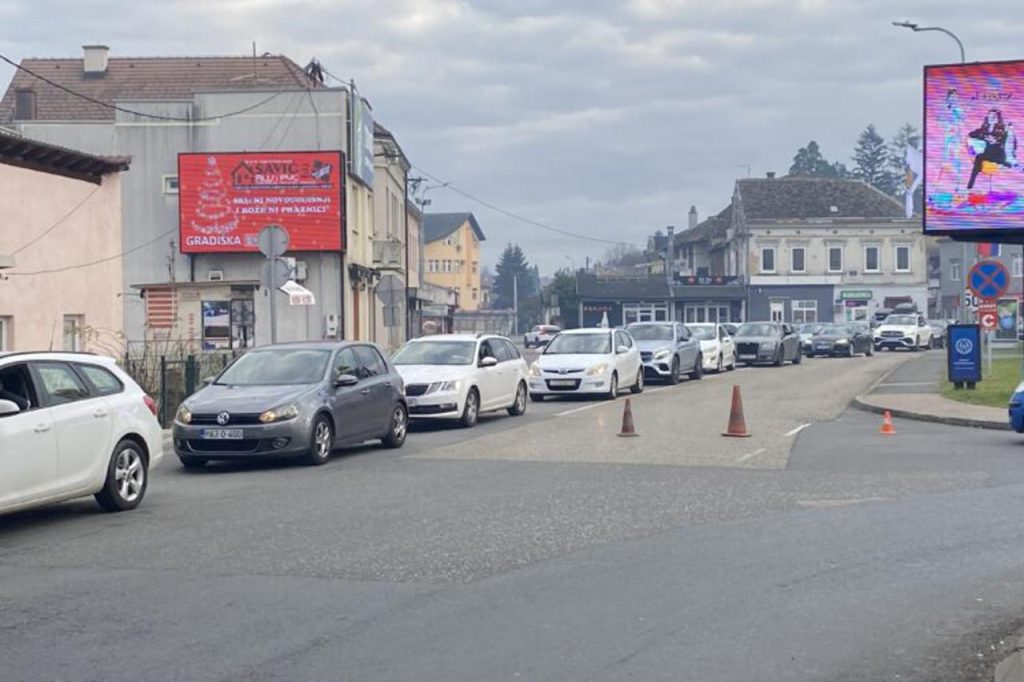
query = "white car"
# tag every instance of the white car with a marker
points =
(458, 376)
(716, 346)
(540, 335)
(588, 361)
(903, 331)
(73, 425)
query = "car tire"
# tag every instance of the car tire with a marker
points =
(193, 463)
(398, 429)
(537, 397)
(321, 441)
(718, 366)
(471, 410)
(613, 388)
(638, 385)
(799, 357)
(698, 368)
(780, 358)
(850, 352)
(674, 377)
(732, 365)
(519, 406)
(127, 478)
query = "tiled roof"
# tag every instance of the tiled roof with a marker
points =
(440, 225)
(791, 198)
(143, 78)
(16, 150)
(715, 226)
(593, 287)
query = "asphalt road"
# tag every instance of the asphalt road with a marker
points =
(529, 548)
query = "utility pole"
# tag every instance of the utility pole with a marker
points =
(515, 305)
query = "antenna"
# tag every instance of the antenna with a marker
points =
(255, 70)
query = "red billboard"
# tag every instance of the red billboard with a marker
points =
(225, 200)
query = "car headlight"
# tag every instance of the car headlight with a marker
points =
(597, 370)
(662, 354)
(279, 414)
(535, 370)
(444, 386)
(184, 415)
(842, 342)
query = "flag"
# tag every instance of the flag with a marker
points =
(912, 180)
(988, 250)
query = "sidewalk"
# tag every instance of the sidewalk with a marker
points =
(912, 392)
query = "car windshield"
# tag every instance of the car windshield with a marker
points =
(651, 332)
(703, 332)
(277, 367)
(758, 329)
(810, 328)
(834, 329)
(901, 320)
(436, 353)
(582, 344)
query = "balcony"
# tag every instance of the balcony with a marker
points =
(388, 254)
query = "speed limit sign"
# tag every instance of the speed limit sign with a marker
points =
(970, 300)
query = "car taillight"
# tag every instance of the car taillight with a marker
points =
(150, 403)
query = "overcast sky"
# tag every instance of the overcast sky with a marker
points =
(604, 118)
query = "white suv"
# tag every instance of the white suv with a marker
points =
(903, 331)
(458, 376)
(72, 425)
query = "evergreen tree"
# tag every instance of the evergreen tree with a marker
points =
(563, 287)
(515, 272)
(906, 136)
(809, 162)
(871, 161)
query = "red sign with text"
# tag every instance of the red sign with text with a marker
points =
(224, 200)
(988, 318)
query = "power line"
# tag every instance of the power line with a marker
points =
(95, 262)
(57, 224)
(516, 216)
(143, 114)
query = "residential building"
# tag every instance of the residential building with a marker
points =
(707, 287)
(217, 104)
(452, 253)
(391, 253)
(60, 217)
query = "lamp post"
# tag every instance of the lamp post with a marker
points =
(963, 58)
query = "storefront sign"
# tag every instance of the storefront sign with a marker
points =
(856, 295)
(964, 353)
(707, 280)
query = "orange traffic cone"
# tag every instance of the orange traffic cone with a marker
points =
(627, 422)
(887, 428)
(737, 425)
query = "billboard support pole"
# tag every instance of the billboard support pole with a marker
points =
(273, 303)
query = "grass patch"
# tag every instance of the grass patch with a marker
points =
(995, 389)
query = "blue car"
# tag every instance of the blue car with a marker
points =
(1017, 409)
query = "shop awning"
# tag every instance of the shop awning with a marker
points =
(298, 294)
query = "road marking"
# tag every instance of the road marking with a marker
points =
(793, 432)
(909, 383)
(838, 503)
(749, 455)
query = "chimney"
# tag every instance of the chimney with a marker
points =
(693, 217)
(670, 254)
(770, 175)
(95, 60)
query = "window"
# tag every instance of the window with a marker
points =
(954, 269)
(6, 340)
(474, 293)
(644, 312)
(370, 362)
(805, 311)
(170, 183)
(797, 259)
(73, 332)
(768, 259)
(501, 350)
(871, 259)
(513, 352)
(60, 384)
(487, 351)
(243, 323)
(835, 259)
(102, 380)
(24, 104)
(1018, 269)
(345, 363)
(902, 258)
(474, 267)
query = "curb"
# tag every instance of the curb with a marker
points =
(860, 404)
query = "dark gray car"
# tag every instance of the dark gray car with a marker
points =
(294, 400)
(774, 342)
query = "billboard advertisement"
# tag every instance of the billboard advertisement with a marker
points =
(362, 140)
(973, 177)
(225, 199)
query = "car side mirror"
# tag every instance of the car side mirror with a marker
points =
(8, 407)
(209, 380)
(488, 362)
(345, 380)
(621, 350)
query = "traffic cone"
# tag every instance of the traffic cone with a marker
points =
(737, 425)
(627, 422)
(887, 428)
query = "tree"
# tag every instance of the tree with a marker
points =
(563, 288)
(624, 255)
(906, 136)
(514, 275)
(871, 160)
(809, 162)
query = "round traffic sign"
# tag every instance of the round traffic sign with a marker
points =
(988, 279)
(273, 241)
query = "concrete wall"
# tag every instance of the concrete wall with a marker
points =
(86, 222)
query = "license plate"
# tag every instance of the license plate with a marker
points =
(748, 357)
(222, 434)
(562, 382)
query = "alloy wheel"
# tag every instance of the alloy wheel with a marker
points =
(130, 474)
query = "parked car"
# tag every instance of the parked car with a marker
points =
(293, 400)
(903, 331)
(774, 342)
(74, 425)
(806, 332)
(938, 333)
(1016, 408)
(841, 339)
(588, 362)
(879, 317)
(716, 345)
(905, 309)
(540, 335)
(668, 350)
(459, 376)
(730, 327)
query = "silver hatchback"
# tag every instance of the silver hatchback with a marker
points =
(293, 400)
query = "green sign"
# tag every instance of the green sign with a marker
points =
(855, 295)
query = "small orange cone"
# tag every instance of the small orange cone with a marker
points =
(737, 425)
(627, 422)
(887, 428)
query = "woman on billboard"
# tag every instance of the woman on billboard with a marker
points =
(991, 137)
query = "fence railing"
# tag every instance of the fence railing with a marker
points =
(172, 377)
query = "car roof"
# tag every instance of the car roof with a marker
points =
(330, 344)
(66, 356)
(453, 337)
(587, 330)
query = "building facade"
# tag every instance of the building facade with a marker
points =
(392, 255)
(452, 255)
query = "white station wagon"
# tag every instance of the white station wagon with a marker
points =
(73, 425)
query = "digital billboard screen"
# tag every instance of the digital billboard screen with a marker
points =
(973, 176)
(225, 199)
